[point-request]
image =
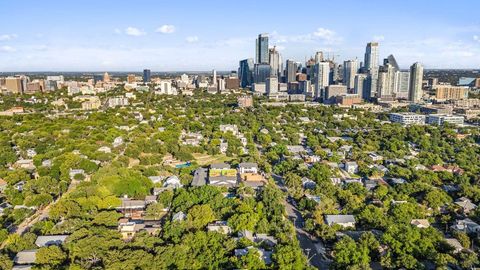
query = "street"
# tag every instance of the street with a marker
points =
(312, 247)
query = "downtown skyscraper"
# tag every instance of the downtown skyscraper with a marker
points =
(261, 52)
(245, 72)
(275, 61)
(350, 69)
(416, 79)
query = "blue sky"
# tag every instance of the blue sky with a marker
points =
(167, 35)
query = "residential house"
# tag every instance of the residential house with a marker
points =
(420, 223)
(308, 183)
(375, 157)
(132, 208)
(26, 257)
(129, 229)
(466, 225)
(221, 174)
(179, 216)
(351, 167)
(455, 244)
(200, 177)
(346, 221)
(247, 168)
(172, 182)
(219, 226)
(50, 240)
(466, 205)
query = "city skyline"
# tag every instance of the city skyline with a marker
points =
(190, 36)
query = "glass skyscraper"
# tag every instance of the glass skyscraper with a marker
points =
(245, 72)
(261, 52)
(261, 73)
(146, 75)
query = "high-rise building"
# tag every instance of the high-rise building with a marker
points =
(386, 81)
(245, 72)
(106, 77)
(272, 85)
(318, 57)
(449, 92)
(402, 84)
(214, 80)
(360, 84)
(291, 71)
(371, 56)
(232, 83)
(14, 85)
(261, 53)
(131, 78)
(416, 80)
(261, 72)
(275, 61)
(392, 61)
(146, 75)
(322, 73)
(350, 69)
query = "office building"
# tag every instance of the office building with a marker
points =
(386, 81)
(214, 77)
(350, 69)
(131, 78)
(332, 91)
(402, 84)
(408, 118)
(348, 99)
(261, 72)
(272, 85)
(440, 119)
(416, 80)
(261, 53)
(291, 71)
(322, 74)
(371, 56)
(14, 85)
(318, 57)
(146, 75)
(392, 61)
(359, 84)
(232, 83)
(449, 92)
(245, 73)
(56, 78)
(275, 61)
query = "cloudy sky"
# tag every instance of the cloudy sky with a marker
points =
(164, 35)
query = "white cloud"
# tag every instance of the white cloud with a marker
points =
(132, 31)
(323, 35)
(7, 49)
(476, 38)
(378, 38)
(166, 29)
(192, 39)
(7, 37)
(117, 31)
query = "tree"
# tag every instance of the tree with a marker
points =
(53, 256)
(155, 211)
(462, 238)
(199, 216)
(348, 254)
(467, 259)
(288, 257)
(252, 260)
(5, 262)
(106, 218)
